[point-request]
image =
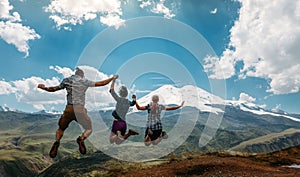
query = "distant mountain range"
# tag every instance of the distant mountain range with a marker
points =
(207, 102)
(27, 137)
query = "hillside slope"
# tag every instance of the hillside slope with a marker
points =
(271, 142)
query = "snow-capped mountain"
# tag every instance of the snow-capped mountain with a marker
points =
(45, 112)
(256, 109)
(5, 109)
(204, 101)
(193, 97)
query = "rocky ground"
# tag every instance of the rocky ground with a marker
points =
(217, 166)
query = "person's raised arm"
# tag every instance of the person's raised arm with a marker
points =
(138, 106)
(132, 103)
(112, 86)
(174, 107)
(105, 82)
(49, 89)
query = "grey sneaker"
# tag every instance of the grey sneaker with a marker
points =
(164, 135)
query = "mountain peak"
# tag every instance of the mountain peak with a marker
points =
(5, 109)
(192, 95)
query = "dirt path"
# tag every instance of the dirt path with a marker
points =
(212, 166)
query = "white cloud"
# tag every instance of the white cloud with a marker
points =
(26, 90)
(70, 12)
(5, 7)
(244, 97)
(134, 90)
(18, 35)
(6, 88)
(66, 72)
(12, 31)
(145, 3)
(277, 108)
(219, 69)
(214, 11)
(160, 8)
(266, 38)
(112, 20)
(67, 13)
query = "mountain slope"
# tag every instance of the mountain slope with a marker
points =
(271, 142)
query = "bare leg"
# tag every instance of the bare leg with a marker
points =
(59, 134)
(158, 140)
(119, 138)
(86, 134)
(54, 148)
(112, 137)
(147, 141)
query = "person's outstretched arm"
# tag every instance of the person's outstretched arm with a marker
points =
(105, 82)
(49, 89)
(137, 105)
(174, 107)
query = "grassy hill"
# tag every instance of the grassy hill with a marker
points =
(26, 139)
(271, 142)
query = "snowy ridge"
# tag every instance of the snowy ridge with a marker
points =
(193, 97)
(47, 112)
(6, 109)
(203, 100)
(256, 109)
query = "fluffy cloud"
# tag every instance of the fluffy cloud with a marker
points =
(26, 90)
(244, 97)
(6, 88)
(266, 39)
(66, 72)
(12, 31)
(158, 7)
(70, 12)
(66, 13)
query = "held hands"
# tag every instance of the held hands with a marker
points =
(116, 76)
(182, 103)
(134, 97)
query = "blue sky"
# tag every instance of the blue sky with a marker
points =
(43, 41)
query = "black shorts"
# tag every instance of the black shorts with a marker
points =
(156, 134)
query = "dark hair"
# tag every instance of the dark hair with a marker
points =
(123, 92)
(79, 72)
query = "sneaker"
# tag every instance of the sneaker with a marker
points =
(133, 132)
(53, 151)
(164, 135)
(82, 148)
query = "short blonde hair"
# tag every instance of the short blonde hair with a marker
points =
(155, 98)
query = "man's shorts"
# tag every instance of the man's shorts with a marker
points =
(155, 134)
(77, 113)
(119, 125)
